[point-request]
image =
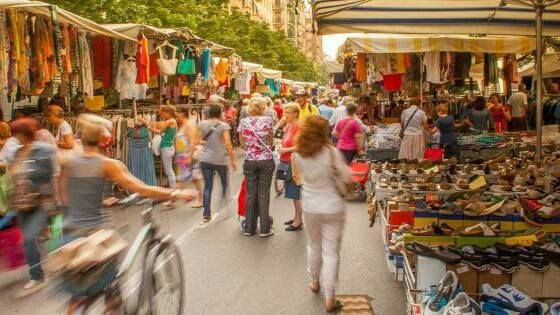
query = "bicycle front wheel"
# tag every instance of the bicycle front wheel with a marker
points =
(168, 288)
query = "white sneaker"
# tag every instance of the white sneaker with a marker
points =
(462, 305)
(446, 290)
(267, 234)
(508, 300)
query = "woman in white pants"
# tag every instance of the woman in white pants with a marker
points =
(318, 165)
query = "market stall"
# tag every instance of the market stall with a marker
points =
(46, 52)
(484, 228)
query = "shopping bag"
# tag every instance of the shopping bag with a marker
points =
(186, 66)
(56, 239)
(241, 200)
(433, 154)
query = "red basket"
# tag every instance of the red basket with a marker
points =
(11, 248)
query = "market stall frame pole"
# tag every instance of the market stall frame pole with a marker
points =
(539, 7)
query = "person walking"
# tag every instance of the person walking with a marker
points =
(291, 188)
(305, 108)
(279, 108)
(83, 179)
(500, 113)
(326, 108)
(478, 117)
(187, 154)
(255, 133)
(32, 194)
(445, 124)
(216, 148)
(519, 107)
(167, 129)
(321, 168)
(413, 123)
(349, 135)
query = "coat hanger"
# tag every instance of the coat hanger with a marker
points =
(167, 44)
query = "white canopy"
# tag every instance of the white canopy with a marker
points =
(333, 67)
(270, 73)
(132, 30)
(63, 16)
(496, 17)
(399, 43)
(252, 67)
(551, 67)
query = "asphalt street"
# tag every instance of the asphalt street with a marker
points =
(229, 273)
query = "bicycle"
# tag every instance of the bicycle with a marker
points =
(161, 273)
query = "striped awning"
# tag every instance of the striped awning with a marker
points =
(398, 43)
(492, 17)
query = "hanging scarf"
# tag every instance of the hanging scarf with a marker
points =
(58, 50)
(85, 62)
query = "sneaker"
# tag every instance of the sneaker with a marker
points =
(508, 300)
(269, 234)
(446, 290)
(206, 220)
(31, 287)
(462, 305)
(248, 234)
(555, 309)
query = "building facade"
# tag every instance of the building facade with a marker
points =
(283, 16)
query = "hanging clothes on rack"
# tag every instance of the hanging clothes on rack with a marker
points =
(87, 79)
(102, 60)
(462, 67)
(4, 65)
(361, 67)
(125, 82)
(222, 72)
(491, 72)
(206, 63)
(140, 157)
(432, 62)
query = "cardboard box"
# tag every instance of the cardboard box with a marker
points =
(551, 279)
(528, 281)
(467, 276)
(494, 277)
(423, 218)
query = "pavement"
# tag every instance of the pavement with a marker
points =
(229, 273)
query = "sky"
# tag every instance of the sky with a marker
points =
(332, 42)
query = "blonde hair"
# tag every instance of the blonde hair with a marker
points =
(5, 130)
(443, 108)
(313, 135)
(257, 106)
(170, 109)
(292, 106)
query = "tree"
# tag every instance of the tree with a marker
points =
(209, 19)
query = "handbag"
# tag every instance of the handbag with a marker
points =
(167, 66)
(186, 66)
(401, 133)
(282, 171)
(156, 143)
(343, 188)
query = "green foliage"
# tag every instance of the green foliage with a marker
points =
(209, 19)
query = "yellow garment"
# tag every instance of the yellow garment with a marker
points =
(222, 70)
(308, 111)
(400, 65)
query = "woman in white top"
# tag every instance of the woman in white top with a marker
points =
(64, 135)
(317, 165)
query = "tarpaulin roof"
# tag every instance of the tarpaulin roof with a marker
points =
(398, 43)
(132, 30)
(63, 16)
(333, 67)
(496, 17)
(270, 73)
(252, 67)
(551, 67)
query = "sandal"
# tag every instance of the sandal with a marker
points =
(480, 229)
(314, 287)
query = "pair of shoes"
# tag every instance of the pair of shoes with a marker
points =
(508, 300)
(269, 234)
(292, 228)
(446, 290)
(439, 252)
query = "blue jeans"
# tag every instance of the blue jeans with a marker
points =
(208, 174)
(32, 224)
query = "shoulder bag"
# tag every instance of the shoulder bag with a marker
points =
(275, 155)
(401, 134)
(343, 188)
(186, 65)
(167, 66)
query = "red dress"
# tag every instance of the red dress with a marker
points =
(500, 121)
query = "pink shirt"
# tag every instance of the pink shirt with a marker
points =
(346, 130)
